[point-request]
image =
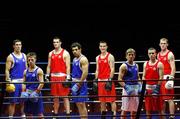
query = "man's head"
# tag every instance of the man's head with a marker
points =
(103, 46)
(31, 58)
(163, 43)
(57, 42)
(130, 54)
(152, 53)
(76, 49)
(17, 45)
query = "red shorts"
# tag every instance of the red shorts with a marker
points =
(103, 92)
(153, 103)
(57, 89)
(166, 91)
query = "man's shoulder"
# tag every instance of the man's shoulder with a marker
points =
(123, 65)
(51, 52)
(111, 56)
(146, 62)
(98, 55)
(10, 55)
(39, 69)
(83, 57)
(171, 52)
(9, 58)
(65, 51)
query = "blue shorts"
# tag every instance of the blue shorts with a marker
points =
(83, 92)
(34, 108)
(17, 93)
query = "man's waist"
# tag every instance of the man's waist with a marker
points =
(60, 74)
(100, 79)
(77, 79)
(131, 81)
(150, 87)
(17, 80)
(103, 77)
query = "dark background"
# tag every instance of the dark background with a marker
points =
(122, 25)
(119, 37)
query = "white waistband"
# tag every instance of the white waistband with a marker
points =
(77, 79)
(17, 80)
(102, 79)
(150, 87)
(58, 74)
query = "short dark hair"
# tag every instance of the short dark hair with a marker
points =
(102, 41)
(32, 54)
(16, 40)
(56, 37)
(152, 48)
(76, 44)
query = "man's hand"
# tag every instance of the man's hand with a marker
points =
(169, 84)
(170, 77)
(128, 89)
(67, 83)
(76, 89)
(139, 87)
(108, 85)
(34, 96)
(95, 85)
(156, 90)
(47, 77)
(24, 96)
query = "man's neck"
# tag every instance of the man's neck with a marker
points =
(58, 49)
(78, 56)
(32, 67)
(130, 62)
(164, 51)
(152, 61)
(17, 53)
(104, 53)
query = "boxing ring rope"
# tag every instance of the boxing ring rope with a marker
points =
(90, 96)
(93, 96)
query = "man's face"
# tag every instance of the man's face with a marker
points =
(103, 47)
(17, 46)
(31, 60)
(130, 57)
(152, 54)
(76, 51)
(163, 44)
(56, 43)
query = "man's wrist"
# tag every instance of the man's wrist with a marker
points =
(171, 76)
(68, 76)
(23, 90)
(79, 84)
(37, 90)
(8, 80)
